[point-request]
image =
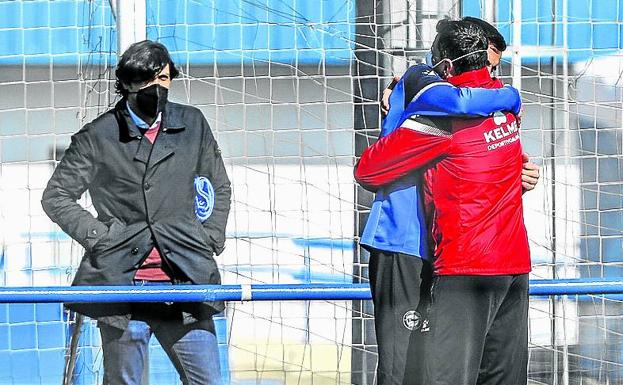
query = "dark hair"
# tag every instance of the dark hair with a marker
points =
(456, 38)
(493, 35)
(140, 63)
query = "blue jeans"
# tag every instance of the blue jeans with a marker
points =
(192, 348)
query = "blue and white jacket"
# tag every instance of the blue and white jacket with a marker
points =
(396, 222)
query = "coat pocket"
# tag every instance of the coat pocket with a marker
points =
(111, 237)
(206, 239)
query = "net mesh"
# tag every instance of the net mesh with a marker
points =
(282, 84)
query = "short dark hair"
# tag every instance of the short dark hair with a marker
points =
(141, 62)
(456, 38)
(493, 35)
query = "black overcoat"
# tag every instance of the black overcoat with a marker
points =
(144, 196)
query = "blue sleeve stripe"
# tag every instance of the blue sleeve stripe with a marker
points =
(428, 87)
(452, 101)
(433, 101)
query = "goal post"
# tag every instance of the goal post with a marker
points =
(131, 19)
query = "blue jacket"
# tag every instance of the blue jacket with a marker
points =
(396, 222)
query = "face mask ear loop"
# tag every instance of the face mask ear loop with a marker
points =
(460, 57)
(441, 61)
(467, 54)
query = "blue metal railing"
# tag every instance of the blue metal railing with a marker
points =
(184, 293)
(263, 292)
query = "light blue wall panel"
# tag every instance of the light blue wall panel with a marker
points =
(66, 31)
(593, 26)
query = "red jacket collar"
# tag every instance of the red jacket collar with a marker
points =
(476, 78)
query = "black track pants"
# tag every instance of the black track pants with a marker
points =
(477, 332)
(395, 284)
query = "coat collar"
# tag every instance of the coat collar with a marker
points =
(140, 123)
(164, 146)
(171, 120)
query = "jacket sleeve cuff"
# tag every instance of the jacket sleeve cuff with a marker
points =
(94, 233)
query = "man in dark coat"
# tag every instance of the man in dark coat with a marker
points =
(157, 180)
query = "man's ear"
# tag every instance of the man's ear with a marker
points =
(130, 88)
(445, 68)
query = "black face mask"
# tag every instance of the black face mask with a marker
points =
(151, 100)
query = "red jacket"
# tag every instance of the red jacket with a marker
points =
(472, 185)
